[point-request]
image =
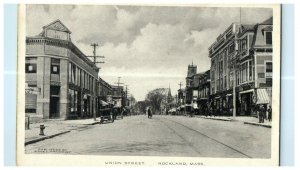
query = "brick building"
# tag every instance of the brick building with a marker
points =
(250, 47)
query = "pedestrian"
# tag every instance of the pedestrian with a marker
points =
(149, 113)
(261, 113)
(270, 113)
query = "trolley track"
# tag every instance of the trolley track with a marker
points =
(202, 134)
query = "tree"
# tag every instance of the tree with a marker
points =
(140, 107)
(156, 97)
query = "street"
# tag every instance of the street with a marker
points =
(162, 136)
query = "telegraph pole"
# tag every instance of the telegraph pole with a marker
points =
(119, 91)
(234, 66)
(180, 84)
(95, 45)
(126, 94)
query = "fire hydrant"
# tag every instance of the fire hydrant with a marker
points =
(42, 127)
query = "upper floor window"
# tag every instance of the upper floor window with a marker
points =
(231, 48)
(30, 65)
(244, 44)
(268, 37)
(55, 66)
(269, 67)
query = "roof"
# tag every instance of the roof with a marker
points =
(268, 21)
(259, 39)
(57, 25)
(268, 28)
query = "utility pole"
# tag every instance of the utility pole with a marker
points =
(126, 95)
(119, 91)
(179, 97)
(234, 64)
(95, 45)
(180, 84)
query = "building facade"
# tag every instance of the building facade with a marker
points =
(65, 78)
(192, 70)
(119, 96)
(203, 99)
(246, 52)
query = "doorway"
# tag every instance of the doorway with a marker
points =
(54, 102)
(54, 107)
(246, 104)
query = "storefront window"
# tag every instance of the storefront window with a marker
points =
(73, 100)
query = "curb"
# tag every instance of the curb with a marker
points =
(57, 134)
(256, 124)
(216, 119)
(94, 123)
(45, 137)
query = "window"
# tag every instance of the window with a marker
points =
(244, 44)
(269, 67)
(55, 66)
(231, 48)
(30, 66)
(73, 73)
(268, 37)
(269, 81)
(54, 90)
(70, 72)
(250, 70)
(54, 69)
(73, 100)
(30, 110)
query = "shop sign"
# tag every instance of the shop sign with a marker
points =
(32, 90)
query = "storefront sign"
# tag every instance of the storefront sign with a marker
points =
(32, 90)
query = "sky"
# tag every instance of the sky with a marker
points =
(147, 46)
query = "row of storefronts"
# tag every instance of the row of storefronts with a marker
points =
(61, 82)
(241, 58)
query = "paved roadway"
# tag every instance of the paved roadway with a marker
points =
(162, 136)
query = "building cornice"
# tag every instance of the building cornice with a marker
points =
(61, 43)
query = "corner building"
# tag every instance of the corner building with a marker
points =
(65, 77)
(250, 46)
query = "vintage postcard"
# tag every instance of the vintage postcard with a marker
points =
(148, 85)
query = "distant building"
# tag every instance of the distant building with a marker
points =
(119, 96)
(203, 99)
(192, 70)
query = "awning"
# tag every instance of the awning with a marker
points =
(228, 94)
(103, 103)
(262, 96)
(188, 105)
(247, 91)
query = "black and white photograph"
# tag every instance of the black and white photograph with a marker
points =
(147, 85)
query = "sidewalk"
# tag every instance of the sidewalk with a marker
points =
(246, 119)
(55, 128)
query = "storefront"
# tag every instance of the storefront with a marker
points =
(246, 103)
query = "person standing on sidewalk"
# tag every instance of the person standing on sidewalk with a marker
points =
(261, 113)
(270, 113)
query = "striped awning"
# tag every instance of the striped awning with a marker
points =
(262, 96)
